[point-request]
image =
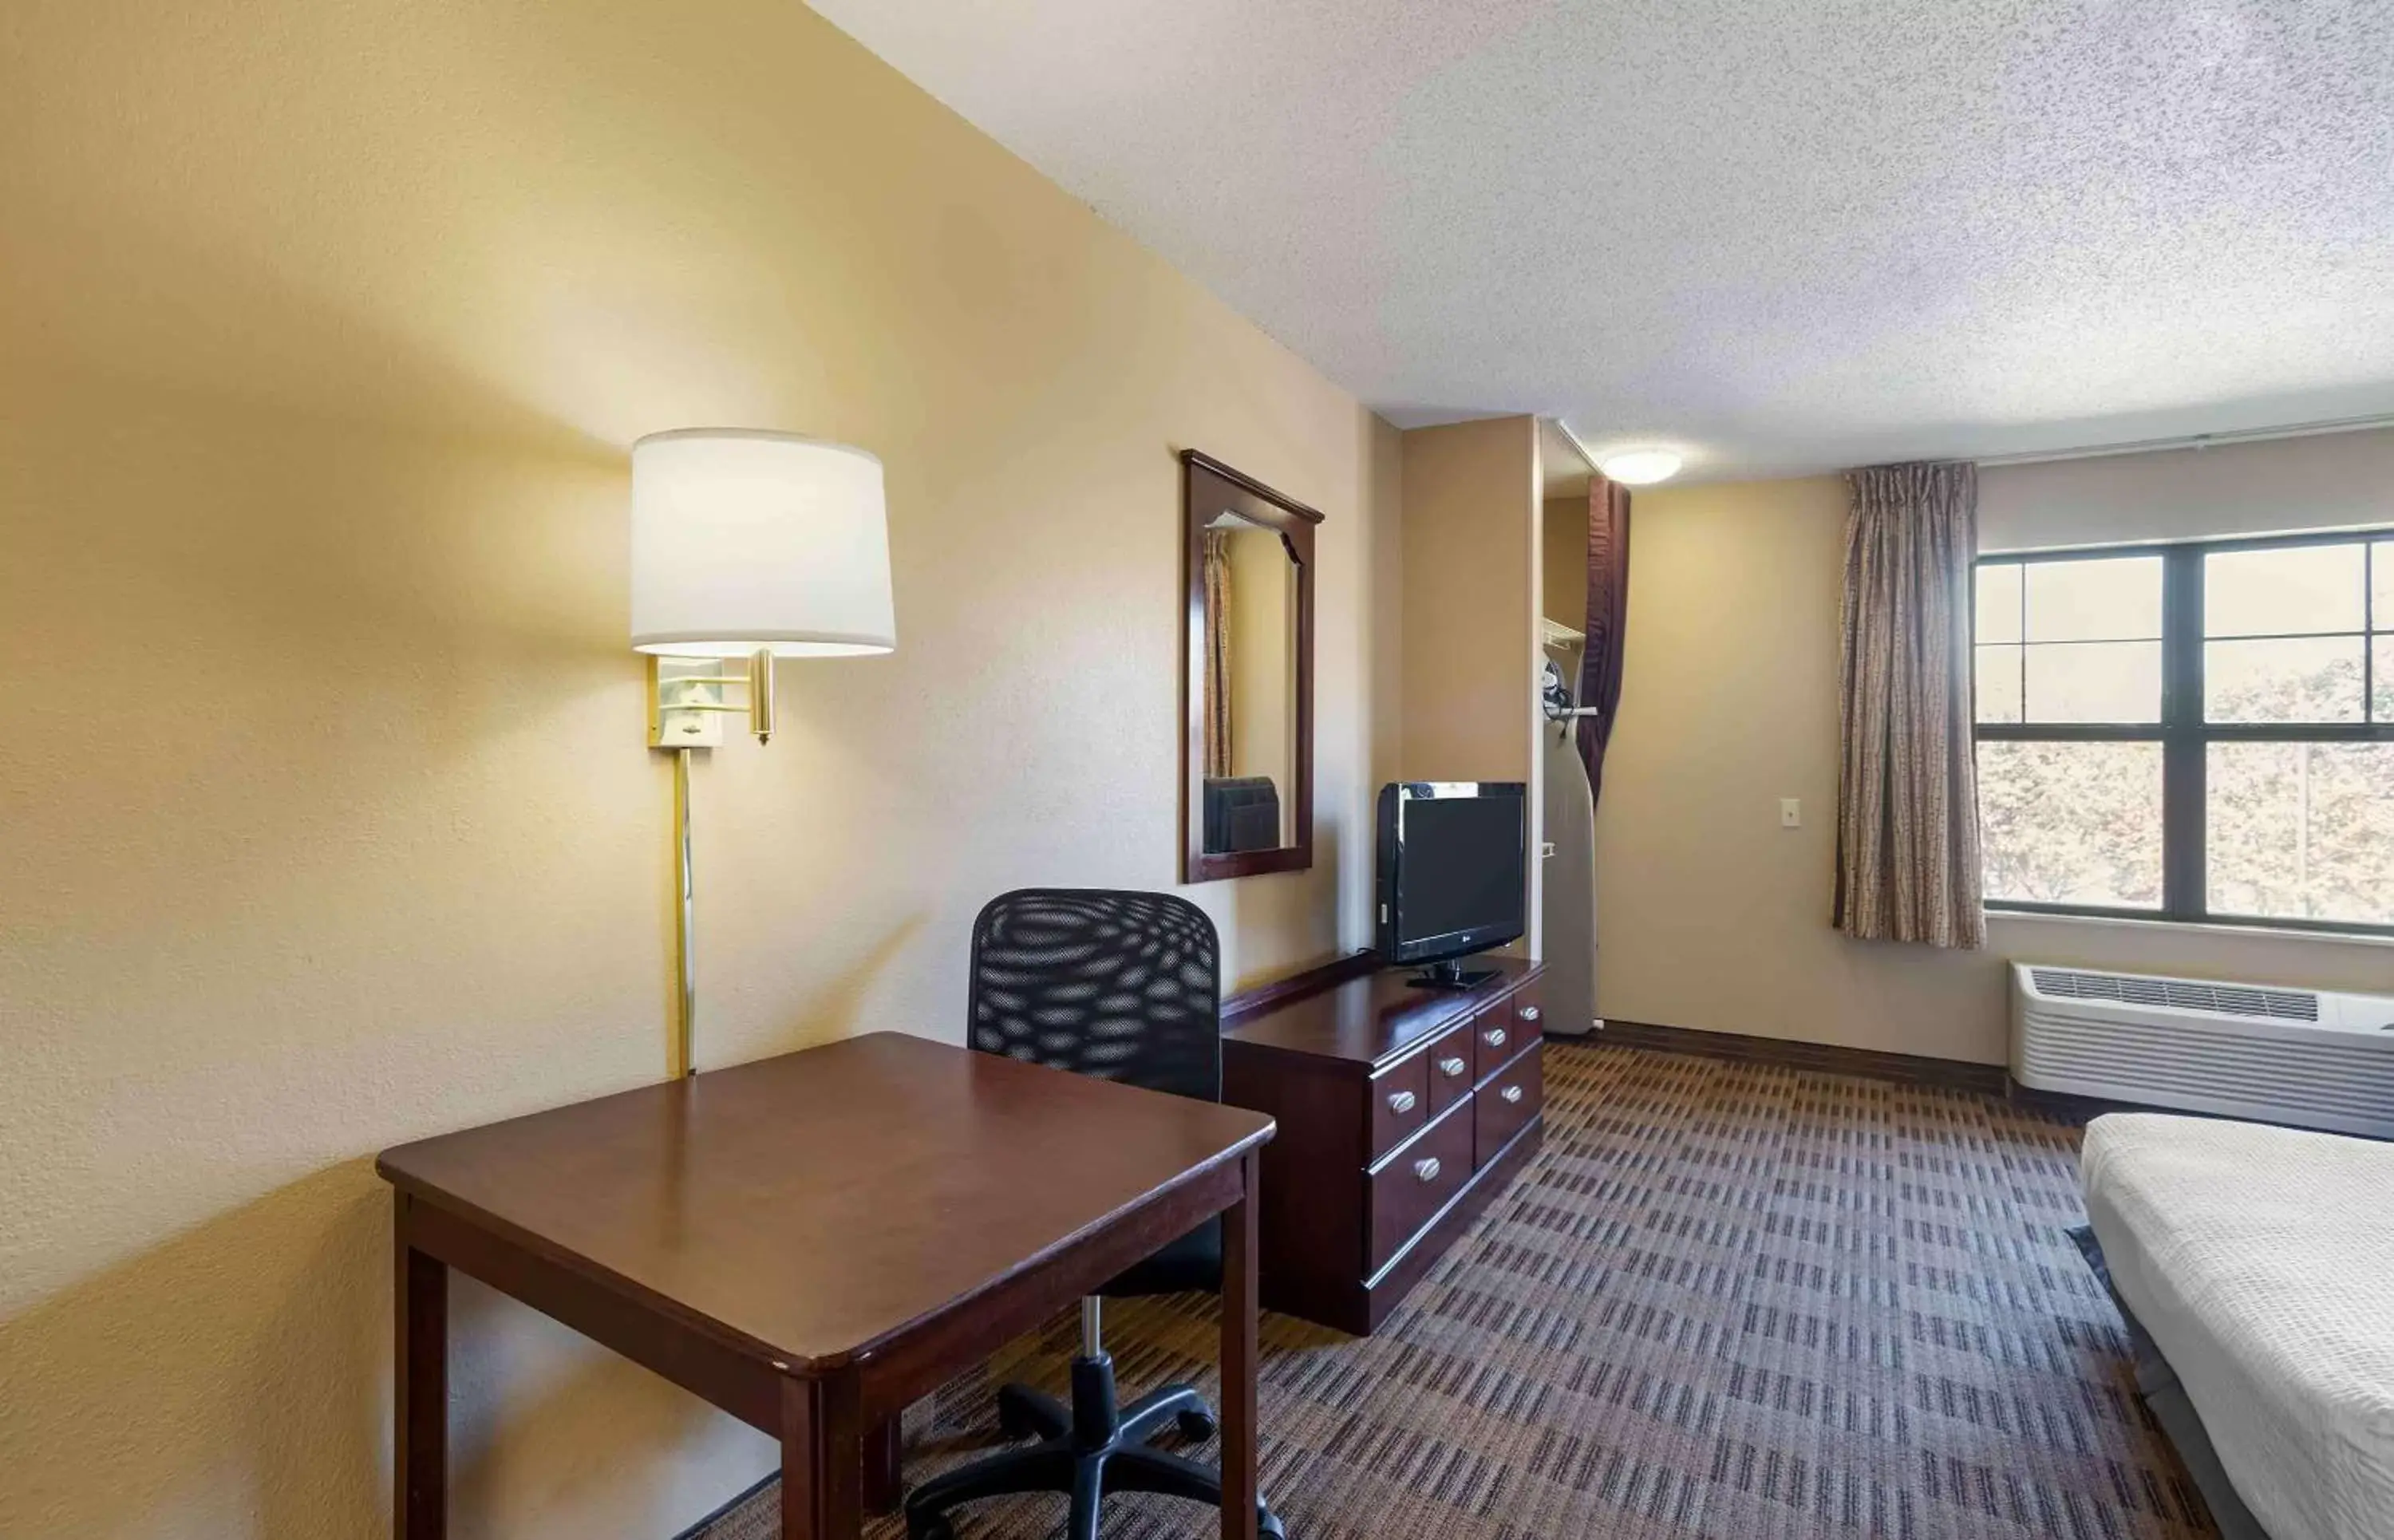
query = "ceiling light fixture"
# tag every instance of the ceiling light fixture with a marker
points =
(1640, 467)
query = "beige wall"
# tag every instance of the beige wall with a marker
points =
(1470, 580)
(1470, 520)
(1709, 915)
(2326, 480)
(1563, 557)
(1384, 635)
(324, 801)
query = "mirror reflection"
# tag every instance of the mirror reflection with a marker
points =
(1250, 686)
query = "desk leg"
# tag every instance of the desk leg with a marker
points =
(823, 1459)
(420, 1385)
(883, 1457)
(1238, 1405)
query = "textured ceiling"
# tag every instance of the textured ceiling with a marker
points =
(1780, 235)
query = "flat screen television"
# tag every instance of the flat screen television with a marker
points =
(1454, 873)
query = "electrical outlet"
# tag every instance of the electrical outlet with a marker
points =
(1791, 814)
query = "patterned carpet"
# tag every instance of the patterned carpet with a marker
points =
(1727, 1300)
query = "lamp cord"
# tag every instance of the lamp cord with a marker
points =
(684, 917)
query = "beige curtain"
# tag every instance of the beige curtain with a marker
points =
(1218, 653)
(1907, 801)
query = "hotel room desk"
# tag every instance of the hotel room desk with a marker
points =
(814, 1241)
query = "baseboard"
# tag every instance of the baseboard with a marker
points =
(1907, 1069)
(725, 1511)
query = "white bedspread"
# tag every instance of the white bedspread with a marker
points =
(2262, 1261)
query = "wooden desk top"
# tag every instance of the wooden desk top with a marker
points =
(815, 1204)
(1374, 1018)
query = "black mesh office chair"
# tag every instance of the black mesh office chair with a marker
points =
(1122, 986)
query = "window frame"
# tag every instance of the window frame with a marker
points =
(2185, 736)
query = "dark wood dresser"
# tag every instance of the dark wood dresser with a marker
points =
(1402, 1112)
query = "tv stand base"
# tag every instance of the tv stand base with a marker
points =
(1450, 975)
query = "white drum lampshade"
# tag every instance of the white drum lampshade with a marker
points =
(744, 540)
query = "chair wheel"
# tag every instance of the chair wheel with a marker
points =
(934, 1526)
(1195, 1426)
(1009, 1425)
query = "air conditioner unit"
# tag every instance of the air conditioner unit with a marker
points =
(2271, 1055)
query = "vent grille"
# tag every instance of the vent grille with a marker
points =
(2263, 1004)
(2346, 1085)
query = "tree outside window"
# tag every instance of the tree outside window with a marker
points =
(2199, 733)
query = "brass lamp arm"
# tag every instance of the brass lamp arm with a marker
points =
(672, 694)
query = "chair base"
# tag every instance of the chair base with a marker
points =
(1084, 1452)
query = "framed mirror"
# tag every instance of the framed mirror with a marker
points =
(1246, 787)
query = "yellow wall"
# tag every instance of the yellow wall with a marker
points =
(1708, 913)
(324, 806)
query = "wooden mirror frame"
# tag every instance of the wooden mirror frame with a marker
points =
(1226, 488)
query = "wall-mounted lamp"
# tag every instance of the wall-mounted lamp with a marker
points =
(752, 545)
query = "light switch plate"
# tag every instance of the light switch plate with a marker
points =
(1791, 812)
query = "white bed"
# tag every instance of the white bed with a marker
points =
(2261, 1262)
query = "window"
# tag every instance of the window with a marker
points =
(2192, 732)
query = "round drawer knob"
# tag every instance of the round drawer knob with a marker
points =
(1401, 1102)
(1452, 1068)
(1493, 1037)
(1529, 1013)
(1511, 1093)
(1427, 1169)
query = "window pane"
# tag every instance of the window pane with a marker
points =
(1997, 670)
(2292, 679)
(2117, 599)
(1999, 603)
(2382, 668)
(2095, 681)
(2072, 823)
(2302, 831)
(2298, 590)
(2381, 571)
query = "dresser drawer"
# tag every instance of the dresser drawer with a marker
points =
(1495, 1038)
(1348, 1224)
(1505, 1105)
(1528, 1007)
(1450, 1062)
(1417, 1182)
(1399, 1103)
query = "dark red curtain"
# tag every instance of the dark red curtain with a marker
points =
(1608, 606)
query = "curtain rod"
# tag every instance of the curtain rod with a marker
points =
(2191, 441)
(2133, 446)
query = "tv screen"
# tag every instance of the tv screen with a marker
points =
(1453, 863)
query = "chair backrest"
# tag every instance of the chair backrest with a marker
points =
(1121, 986)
